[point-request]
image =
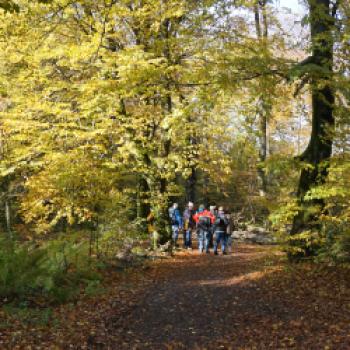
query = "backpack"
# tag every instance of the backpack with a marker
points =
(204, 222)
(221, 224)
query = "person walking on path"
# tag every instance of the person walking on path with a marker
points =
(204, 220)
(176, 222)
(213, 210)
(189, 225)
(220, 230)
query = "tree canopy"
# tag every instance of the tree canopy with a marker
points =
(111, 110)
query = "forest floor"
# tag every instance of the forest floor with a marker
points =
(251, 299)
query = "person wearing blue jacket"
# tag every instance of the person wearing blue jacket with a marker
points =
(176, 222)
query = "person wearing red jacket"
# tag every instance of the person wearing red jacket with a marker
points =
(204, 220)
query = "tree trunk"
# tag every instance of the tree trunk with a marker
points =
(8, 217)
(263, 105)
(143, 205)
(192, 158)
(318, 153)
(162, 219)
(262, 149)
(191, 186)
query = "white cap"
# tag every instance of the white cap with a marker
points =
(190, 204)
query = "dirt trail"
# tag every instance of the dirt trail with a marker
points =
(246, 300)
(252, 299)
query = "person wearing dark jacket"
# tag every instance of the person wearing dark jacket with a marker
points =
(214, 211)
(189, 225)
(220, 231)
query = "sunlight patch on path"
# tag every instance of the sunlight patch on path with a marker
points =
(249, 277)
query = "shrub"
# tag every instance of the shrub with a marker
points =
(56, 271)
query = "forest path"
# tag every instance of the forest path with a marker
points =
(246, 300)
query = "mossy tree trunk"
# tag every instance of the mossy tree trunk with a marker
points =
(317, 155)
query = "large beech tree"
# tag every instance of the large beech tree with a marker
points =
(318, 68)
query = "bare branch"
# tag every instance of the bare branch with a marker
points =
(300, 86)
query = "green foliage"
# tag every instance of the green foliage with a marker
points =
(93, 287)
(21, 269)
(9, 6)
(336, 217)
(30, 316)
(54, 271)
(336, 243)
(330, 212)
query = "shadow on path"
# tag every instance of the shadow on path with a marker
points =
(227, 302)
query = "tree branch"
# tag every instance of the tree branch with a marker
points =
(303, 82)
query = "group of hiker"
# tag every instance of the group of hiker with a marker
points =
(212, 227)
